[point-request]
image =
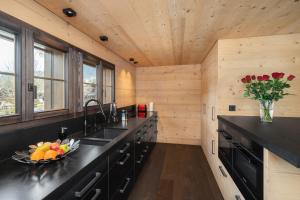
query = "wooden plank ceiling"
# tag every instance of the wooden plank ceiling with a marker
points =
(174, 32)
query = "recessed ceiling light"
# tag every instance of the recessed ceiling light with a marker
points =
(69, 12)
(103, 38)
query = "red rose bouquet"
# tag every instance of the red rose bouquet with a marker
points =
(266, 89)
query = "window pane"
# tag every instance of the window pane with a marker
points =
(7, 52)
(42, 63)
(7, 95)
(58, 95)
(107, 77)
(89, 74)
(49, 68)
(107, 94)
(43, 95)
(58, 65)
(50, 95)
(89, 92)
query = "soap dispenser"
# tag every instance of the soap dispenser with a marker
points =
(62, 134)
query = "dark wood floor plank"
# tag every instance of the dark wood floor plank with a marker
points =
(176, 172)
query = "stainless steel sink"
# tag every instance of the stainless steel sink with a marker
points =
(102, 137)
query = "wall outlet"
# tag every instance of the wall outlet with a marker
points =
(232, 108)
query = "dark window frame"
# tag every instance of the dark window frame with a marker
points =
(26, 35)
(7, 26)
(108, 65)
(65, 80)
(50, 41)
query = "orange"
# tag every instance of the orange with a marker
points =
(37, 155)
(50, 154)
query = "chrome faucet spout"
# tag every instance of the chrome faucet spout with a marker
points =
(85, 112)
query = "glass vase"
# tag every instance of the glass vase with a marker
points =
(266, 111)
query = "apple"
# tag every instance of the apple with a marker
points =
(54, 146)
(60, 152)
(64, 147)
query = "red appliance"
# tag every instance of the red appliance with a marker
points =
(142, 110)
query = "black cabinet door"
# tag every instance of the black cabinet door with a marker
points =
(124, 188)
(121, 161)
(92, 183)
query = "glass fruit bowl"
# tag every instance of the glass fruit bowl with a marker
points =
(46, 152)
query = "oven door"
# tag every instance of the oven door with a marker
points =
(225, 149)
(249, 170)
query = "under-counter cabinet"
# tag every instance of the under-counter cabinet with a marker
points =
(116, 174)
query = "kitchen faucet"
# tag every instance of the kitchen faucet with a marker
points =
(85, 113)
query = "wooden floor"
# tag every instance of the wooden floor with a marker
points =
(176, 172)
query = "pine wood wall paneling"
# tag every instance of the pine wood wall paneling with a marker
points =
(36, 15)
(175, 91)
(258, 55)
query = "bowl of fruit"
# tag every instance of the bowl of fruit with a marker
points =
(46, 152)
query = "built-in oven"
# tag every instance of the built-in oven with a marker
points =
(243, 160)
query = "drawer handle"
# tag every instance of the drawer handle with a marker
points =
(127, 145)
(88, 186)
(125, 186)
(125, 159)
(140, 140)
(140, 160)
(237, 197)
(97, 194)
(222, 171)
(213, 147)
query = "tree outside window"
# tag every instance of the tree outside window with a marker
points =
(7, 74)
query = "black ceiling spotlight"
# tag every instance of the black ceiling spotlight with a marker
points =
(103, 38)
(135, 62)
(69, 12)
(131, 59)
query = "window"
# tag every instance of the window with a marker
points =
(89, 82)
(108, 90)
(49, 78)
(7, 74)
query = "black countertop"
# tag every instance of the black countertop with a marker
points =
(21, 181)
(282, 136)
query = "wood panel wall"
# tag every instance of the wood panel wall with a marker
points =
(39, 17)
(175, 91)
(257, 55)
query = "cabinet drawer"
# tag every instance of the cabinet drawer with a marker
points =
(122, 149)
(99, 191)
(123, 189)
(119, 170)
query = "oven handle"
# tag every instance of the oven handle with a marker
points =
(225, 134)
(248, 155)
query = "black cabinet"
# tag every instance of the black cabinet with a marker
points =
(121, 160)
(113, 176)
(92, 184)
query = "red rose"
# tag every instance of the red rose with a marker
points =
(291, 77)
(266, 77)
(260, 78)
(281, 75)
(276, 75)
(244, 80)
(248, 78)
(253, 77)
